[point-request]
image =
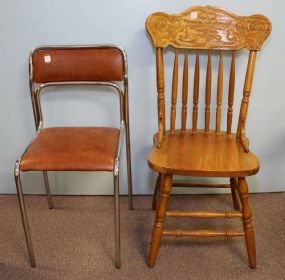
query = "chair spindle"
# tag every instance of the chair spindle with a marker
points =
(245, 100)
(231, 94)
(208, 91)
(219, 93)
(196, 92)
(174, 92)
(184, 91)
(160, 97)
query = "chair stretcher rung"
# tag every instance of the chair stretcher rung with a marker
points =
(202, 233)
(199, 185)
(203, 214)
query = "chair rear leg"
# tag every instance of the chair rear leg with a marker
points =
(24, 216)
(117, 221)
(247, 222)
(235, 197)
(156, 192)
(129, 167)
(160, 219)
(49, 199)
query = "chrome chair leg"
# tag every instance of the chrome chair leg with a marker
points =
(49, 199)
(117, 220)
(128, 150)
(24, 216)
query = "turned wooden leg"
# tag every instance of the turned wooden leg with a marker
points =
(247, 222)
(156, 192)
(159, 220)
(235, 196)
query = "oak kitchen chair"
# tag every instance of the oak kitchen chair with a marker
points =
(205, 151)
(77, 148)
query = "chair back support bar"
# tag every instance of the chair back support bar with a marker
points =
(98, 65)
(205, 28)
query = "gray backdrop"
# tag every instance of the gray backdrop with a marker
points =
(27, 24)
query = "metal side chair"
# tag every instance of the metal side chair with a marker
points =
(77, 148)
(206, 148)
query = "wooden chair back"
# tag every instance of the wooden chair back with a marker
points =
(205, 29)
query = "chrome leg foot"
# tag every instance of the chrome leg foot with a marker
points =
(117, 221)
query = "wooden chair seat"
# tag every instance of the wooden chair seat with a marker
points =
(202, 154)
(72, 148)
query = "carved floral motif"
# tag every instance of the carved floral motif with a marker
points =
(208, 28)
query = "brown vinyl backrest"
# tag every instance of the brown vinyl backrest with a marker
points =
(205, 29)
(64, 64)
(101, 65)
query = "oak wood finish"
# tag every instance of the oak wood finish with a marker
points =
(220, 93)
(209, 154)
(235, 195)
(207, 151)
(231, 93)
(247, 222)
(202, 233)
(174, 92)
(208, 91)
(156, 192)
(160, 218)
(160, 96)
(209, 28)
(196, 92)
(245, 101)
(199, 185)
(204, 214)
(184, 91)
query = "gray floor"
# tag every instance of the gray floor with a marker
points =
(75, 240)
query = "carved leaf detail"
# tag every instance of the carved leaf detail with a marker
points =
(208, 28)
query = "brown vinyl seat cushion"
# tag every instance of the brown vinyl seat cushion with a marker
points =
(72, 148)
(202, 154)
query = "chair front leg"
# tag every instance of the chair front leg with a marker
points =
(166, 186)
(24, 215)
(117, 220)
(247, 221)
(235, 196)
(129, 167)
(156, 192)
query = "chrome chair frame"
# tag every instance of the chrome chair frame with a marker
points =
(36, 91)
